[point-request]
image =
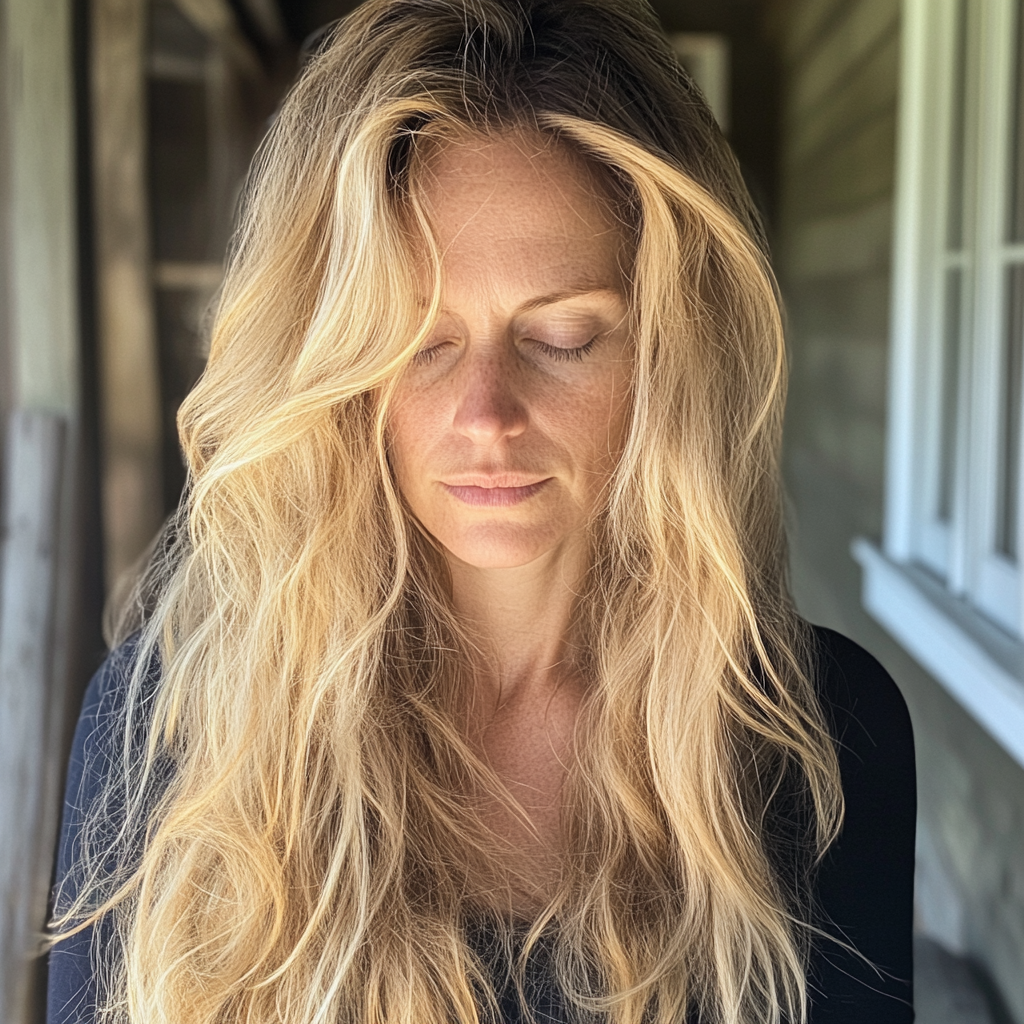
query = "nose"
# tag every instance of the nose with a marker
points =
(488, 407)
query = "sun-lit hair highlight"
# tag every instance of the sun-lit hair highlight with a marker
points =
(298, 836)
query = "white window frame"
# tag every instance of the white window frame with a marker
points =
(937, 583)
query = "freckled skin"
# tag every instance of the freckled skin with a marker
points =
(498, 390)
(514, 227)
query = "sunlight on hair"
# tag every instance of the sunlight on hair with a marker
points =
(315, 854)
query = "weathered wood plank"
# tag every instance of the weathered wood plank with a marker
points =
(33, 470)
(268, 18)
(868, 93)
(216, 19)
(40, 336)
(132, 494)
(40, 327)
(852, 173)
(864, 24)
(848, 305)
(842, 244)
(798, 24)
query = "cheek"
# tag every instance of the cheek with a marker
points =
(415, 428)
(593, 422)
(403, 437)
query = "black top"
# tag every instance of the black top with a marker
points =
(863, 889)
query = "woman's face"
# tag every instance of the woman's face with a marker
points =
(507, 425)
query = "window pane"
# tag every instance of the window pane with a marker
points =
(951, 330)
(1015, 211)
(955, 225)
(1010, 413)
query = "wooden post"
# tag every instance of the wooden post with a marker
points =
(130, 392)
(33, 469)
(41, 474)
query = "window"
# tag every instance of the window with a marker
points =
(954, 530)
(959, 516)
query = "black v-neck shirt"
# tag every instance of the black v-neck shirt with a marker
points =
(863, 890)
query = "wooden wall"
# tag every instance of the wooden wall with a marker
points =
(80, 369)
(46, 511)
(839, 62)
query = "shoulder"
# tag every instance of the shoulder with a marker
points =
(874, 741)
(105, 701)
(94, 763)
(862, 703)
(109, 684)
(99, 738)
(864, 885)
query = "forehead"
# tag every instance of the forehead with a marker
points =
(519, 203)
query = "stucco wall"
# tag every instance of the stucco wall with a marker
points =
(840, 61)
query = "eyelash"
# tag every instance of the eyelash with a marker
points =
(555, 352)
(566, 354)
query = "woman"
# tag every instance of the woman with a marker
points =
(468, 685)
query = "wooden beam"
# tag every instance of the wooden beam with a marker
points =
(267, 16)
(215, 19)
(130, 393)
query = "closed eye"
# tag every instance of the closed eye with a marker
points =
(427, 355)
(556, 352)
(565, 354)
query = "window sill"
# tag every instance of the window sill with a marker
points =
(981, 666)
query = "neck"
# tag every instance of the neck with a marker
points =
(520, 616)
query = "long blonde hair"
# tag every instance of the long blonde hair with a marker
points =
(313, 854)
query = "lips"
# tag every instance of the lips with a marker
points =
(495, 492)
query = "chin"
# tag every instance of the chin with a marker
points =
(497, 552)
(493, 557)
(495, 562)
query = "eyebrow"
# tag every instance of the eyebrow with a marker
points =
(569, 293)
(553, 298)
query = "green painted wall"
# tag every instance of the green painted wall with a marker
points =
(840, 66)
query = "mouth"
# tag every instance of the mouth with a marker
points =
(494, 496)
